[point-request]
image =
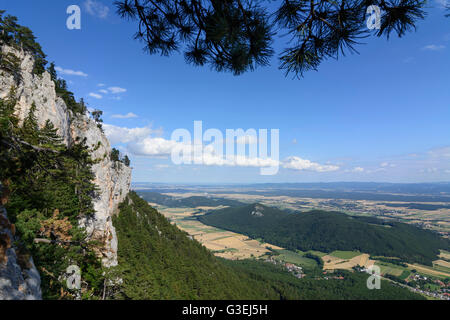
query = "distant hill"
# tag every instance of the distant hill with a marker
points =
(329, 231)
(189, 202)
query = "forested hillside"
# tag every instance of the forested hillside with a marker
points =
(188, 202)
(51, 152)
(329, 231)
(159, 261)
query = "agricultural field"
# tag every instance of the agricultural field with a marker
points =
(234, 246)
(346, 255)
(346, 260)
(296, 258)
(433, 216)
(429, 271)
(222, 243)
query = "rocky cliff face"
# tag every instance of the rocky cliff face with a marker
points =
(112, 178)
(19, 278)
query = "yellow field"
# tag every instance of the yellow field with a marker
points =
(225, 244)
(445, 255)
(428, 270)
(442, 263)
(333, 263)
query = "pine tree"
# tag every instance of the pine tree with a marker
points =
(237, 35)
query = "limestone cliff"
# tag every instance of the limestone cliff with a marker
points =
(19, 278)
(112, 178)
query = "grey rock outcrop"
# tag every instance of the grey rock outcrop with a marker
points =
(19, 278)
(112, 178)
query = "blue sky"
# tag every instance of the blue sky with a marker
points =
(382, 115)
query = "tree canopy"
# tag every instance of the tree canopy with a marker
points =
(237, 35)
(20, 37)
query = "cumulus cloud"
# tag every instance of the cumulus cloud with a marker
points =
(387, 164)
(70, 72)
(139, 142)
(439, 153)
(116, 90)
(358, 169)
(96, 8)
(247, 139)
(433, 47)
(118, 135)
(124, 116)
(95, 95)
(296, 163)
(160, 147)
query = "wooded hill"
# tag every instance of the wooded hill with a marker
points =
(188, 202)
(159, 261)
(328, 231)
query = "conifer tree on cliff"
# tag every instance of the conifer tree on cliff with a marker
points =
(237, 35)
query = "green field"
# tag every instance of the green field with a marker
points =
(405, 274)
(392, 269)
(441, 268)
(317, 253)
(296, 258)
(346, 255)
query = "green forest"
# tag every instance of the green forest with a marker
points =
(188, 202)
(328, 231)
(159, 261)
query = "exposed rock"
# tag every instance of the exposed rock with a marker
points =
(18, 281)
(258, 211)
(112, 178)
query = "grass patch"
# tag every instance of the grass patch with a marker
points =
(405, 274)
(317, 253)
(346, 255)
(296, 258)
(389, 268)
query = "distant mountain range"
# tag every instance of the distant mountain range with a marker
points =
(403, 192)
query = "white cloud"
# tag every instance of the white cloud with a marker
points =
(116, 90)
(124, 116)
(96, 8)
(433, 47)
(117, 134)
(95, 95)
(387, 164)
(101, 85)
(103, 91)
(140, 143)
(440, 153)
(443, 3)
(70, 72)
(429, 170)
(247, 139)
(160, 147)
(358, 169)
(297, 163)
(152, 147)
